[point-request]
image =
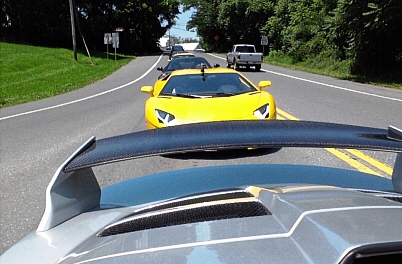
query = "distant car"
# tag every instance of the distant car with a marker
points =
(180, 64)
(229, 212)
(186, 62)
(173, 53)
(204, 95)
(166, 50)
(175, 49)
(244, 55)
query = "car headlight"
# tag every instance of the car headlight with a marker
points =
(262, 112)
(164, 117)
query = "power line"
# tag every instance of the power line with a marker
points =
(181, 29)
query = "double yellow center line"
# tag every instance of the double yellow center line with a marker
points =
(349, 155)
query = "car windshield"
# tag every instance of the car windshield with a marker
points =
(187, 63)
(207, 85)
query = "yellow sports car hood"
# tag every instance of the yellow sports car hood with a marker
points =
(206, 109)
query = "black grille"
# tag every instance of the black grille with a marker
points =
(237, 209)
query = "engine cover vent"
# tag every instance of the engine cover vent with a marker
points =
(206, 207)
(396, 197)
(194, 199)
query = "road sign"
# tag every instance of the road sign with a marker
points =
(115, 40)
(107, 38)
(264, 40)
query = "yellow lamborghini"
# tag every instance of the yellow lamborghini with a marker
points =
(204, 95)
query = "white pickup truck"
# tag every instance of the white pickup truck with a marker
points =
(244, 55)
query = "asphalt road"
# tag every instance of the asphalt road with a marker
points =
(37, 137)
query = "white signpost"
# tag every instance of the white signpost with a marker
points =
(107, 39)
(111, 38)
(115, 41)
(264, 42)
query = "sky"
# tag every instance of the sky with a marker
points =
(179, 30)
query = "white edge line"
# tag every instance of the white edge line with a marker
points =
(85, 98)
(239, 239)
(324, 84)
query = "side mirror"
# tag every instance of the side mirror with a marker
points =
(216, 65)
(160, 68)
(264, 84)
(147, 89)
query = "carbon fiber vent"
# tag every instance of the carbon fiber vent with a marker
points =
(396, 197)
(200, 198)
(207, 207)
(393, 198)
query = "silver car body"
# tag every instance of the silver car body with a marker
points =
(263, 213)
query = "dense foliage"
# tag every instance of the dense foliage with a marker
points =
(220, 24)
(366, 32)
(47, 22)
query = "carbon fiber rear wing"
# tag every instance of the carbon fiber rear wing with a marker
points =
(76, 181)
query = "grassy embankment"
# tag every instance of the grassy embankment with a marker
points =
(338, 69)
(30, 73)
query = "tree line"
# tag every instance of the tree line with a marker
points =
(140, 23)
(366, 32)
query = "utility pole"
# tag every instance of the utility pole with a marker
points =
(169, 39)
(72, 15)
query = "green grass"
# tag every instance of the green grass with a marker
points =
(31, 73)
(324, 65)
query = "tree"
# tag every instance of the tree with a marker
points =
(243, 21)
(221, 24)
(36, 22)
(298, 28)
(47, 22)
(141, 23)
(369, 31)
(204, 19)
